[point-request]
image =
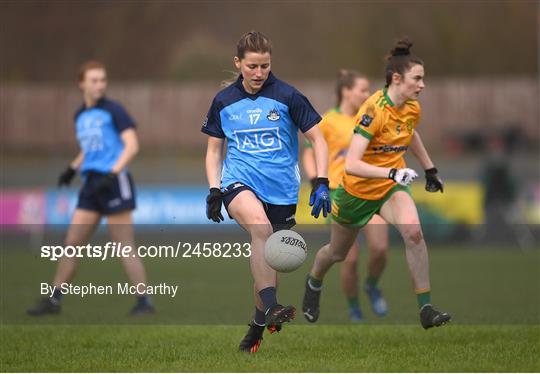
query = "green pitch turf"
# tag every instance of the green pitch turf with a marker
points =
(492, 294)
(296, 349)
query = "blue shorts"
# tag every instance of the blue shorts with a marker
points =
(280, 216)
(120, 198)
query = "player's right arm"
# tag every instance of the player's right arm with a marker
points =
(214, 160)
(77, 162)
(66, 177)
(368, 125)
(354, 164)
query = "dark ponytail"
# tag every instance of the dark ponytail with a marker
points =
(400, 59)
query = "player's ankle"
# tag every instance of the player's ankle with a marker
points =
(314, 283)
(57, 296)
(423, 298)
(143, 300)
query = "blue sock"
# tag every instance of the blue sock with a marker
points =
(143, 300)
(259, 318)
(268, 297)
(57, 294)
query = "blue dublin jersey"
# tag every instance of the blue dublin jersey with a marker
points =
(98, 131)
(262, 137)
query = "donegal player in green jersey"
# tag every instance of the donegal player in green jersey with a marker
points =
(376, 181)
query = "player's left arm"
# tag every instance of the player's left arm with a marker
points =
(308, 161)
(419, 151)
(433, 182)
(320, 150)
(320, 197)
(131, 148)
(307, 119)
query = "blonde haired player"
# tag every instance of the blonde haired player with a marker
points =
(377, 181)
(337, 126)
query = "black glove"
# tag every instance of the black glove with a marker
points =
(106, 183)
(313, 182)
(433, 182)
(213, 205)
(66, 177)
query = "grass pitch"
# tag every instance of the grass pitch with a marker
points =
(493, 296)
(296, 349)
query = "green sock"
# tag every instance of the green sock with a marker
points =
(371, 281)
(423, 298)
(353, 303)
(315, 283)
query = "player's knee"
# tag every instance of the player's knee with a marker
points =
(349, 263)
(70, 242)
(413, 234)
(350, 259)
(336, 255)
(378, 248)
(261, 229)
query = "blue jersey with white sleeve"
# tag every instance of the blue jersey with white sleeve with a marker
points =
(262, 137)
(98, 130)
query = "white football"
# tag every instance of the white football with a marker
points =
(285, 251)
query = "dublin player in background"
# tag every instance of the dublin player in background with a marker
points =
(258, 181)
(108, 142)
(377, 180)
(337, 126)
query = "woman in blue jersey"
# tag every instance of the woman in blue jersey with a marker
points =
(108, 142)
(258, 181)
